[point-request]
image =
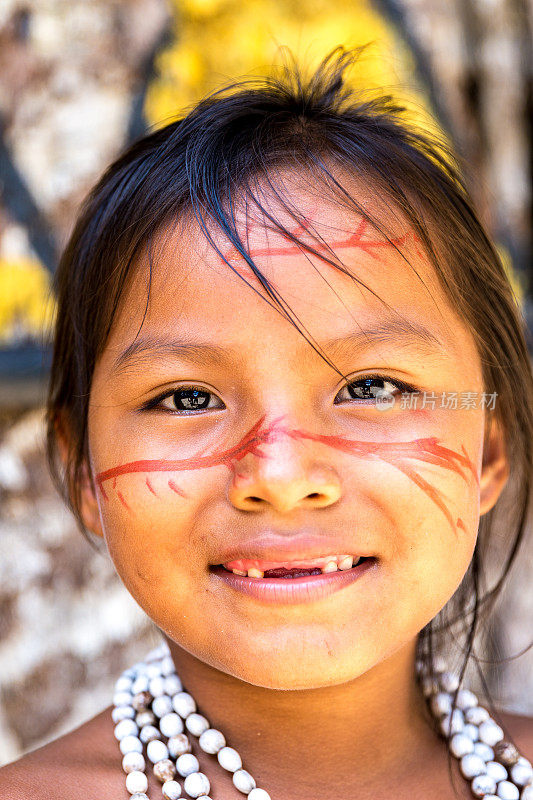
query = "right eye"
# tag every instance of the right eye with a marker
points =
(186, 400)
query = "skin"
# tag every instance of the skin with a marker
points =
(172, 493)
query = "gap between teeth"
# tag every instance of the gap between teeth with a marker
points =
(331, 566)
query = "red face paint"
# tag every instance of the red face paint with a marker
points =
(356, 240)
(398, 454)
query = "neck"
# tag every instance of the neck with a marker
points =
(358, 731)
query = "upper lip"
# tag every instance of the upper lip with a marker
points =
(280, 546)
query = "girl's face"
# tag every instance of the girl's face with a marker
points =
(217, 434)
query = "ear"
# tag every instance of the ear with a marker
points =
(89, 511)
(495, 468)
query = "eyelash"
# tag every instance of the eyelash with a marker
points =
(154, 403)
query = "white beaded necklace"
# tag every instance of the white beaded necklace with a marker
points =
(151, 712)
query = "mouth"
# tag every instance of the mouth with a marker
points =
(290, 582)
(289, 570)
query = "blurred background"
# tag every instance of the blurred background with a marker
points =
(79, 79)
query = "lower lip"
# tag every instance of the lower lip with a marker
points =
(286, 591)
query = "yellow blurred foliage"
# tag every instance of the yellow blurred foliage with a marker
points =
(219, 41)
(26, 307)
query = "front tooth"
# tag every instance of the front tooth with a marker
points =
(331, 566)
(346, 563)
(255, 573)
(239, 572)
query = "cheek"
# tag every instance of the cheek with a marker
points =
(154, 532)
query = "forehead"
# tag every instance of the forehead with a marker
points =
(369, 278)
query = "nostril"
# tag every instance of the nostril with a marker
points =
(314, 496)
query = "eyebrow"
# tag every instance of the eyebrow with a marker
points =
(401, 333)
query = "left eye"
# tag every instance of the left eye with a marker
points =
(187, 399)
(371, 387)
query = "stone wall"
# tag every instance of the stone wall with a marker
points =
(67, 625)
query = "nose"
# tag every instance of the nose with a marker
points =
(286, 476)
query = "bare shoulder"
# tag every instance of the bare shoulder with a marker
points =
(519, 727)
(87, 757)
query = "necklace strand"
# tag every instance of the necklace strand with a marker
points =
(154, 716)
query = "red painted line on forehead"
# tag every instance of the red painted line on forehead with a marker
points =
(460, 524)
(354, 240)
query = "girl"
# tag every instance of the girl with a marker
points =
(289, 373)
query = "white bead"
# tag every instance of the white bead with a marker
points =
(167, 666)
(483, 785)
(243, 781)
(123, 684)
(130, 744)
(153, 671)
(149, 733)
(441, 704)
(527, 793)
(171, 724)
(173, 685)
(490, 732)
(196, 784)
(507, 791)
(183, 704)
(461, 745)
(457, 723)
(171, 790)
(466, 699)
(122, 699)
(196, 724)
(521, 774)
(162, 705)
(476, 715)
(140, 684)
(136, 782)
(211, 741)
(178, 745)
(139, 796)
(126, 727)
(484, 751)
(129, 673)
(144, 718)
(472, 765)
(524, 761)
(258, 794)
(122, 712)
(449, 681)
(157, 686)
(187, 764)
(497, 771)
(229, 759)
(158, 652)
(133, 762)
(430, 686)
(156, 750)
(440, 664)
(472, 731)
